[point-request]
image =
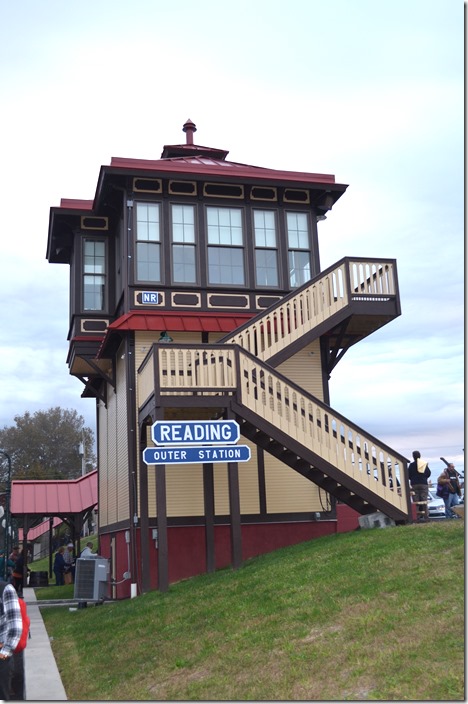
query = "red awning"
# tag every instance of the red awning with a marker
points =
(177, 322)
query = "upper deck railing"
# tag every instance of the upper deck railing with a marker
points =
(351, 279)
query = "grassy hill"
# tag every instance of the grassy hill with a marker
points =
(372, 614)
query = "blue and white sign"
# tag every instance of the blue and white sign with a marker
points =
(195, 432)
(150, 298)
(196, 455)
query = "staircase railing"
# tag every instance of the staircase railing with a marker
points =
(333, 439)
(351, 279)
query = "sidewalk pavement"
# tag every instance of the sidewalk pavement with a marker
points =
(42, 678)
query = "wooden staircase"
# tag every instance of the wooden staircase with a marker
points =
(276, 414)
(344, 304)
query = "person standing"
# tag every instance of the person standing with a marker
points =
(69, 558)
(443, 492)
(418, 474)
(88, 551)
(59, 567)
(454, 486)
(17, 574)
(11, 627)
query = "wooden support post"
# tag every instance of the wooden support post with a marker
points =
(161, 507)
(208, 496)
(144, 527)
(234, 509)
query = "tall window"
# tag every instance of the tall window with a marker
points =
(299, 249)
(266, 252)
(225, 246)
(183, 244)
(148, 242)
(94, 274)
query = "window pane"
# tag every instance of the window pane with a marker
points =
(183, 223)
(94, 257)
(184, 263)
(299, 268)
(298, 232)
(225, 265)
(148, 262)
(266, 267)
(93, 289)
(147, 221)
(94, 269)
(225, 226)
(265, 228)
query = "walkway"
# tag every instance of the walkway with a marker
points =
(43, 681)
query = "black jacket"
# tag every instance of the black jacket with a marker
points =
(416, 477)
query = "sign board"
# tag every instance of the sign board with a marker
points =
(196, 455)
(195, 432)
(150, 298)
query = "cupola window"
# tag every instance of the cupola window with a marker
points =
(183, 244)
(266, 248)
(299, 253)
(148, 242)
(225, 246)
(94, 274)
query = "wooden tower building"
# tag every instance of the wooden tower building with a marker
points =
(196, 294)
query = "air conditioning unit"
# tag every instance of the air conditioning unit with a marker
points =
(375, 520)
(91, 577)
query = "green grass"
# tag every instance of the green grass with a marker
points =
(373, 614)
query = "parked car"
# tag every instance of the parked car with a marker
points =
(436, 506)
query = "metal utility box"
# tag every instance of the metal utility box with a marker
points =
(375, 520)
(91, 577)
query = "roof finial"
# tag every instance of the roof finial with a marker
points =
(189, 128)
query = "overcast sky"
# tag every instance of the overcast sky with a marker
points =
(371, 91)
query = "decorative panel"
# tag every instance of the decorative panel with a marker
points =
(91, 222)
(292, 195)
(185, 300)
(186, 188)
(227, 300)
(94, 325)
(147, 185)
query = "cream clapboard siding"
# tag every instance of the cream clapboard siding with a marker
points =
(305, 369)
(121, 422)
(286, 490)
(184, 483)
(113, 462)
(248, 484)
(103, 512)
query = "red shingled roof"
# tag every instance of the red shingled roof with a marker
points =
(49, 497)
(217, 167)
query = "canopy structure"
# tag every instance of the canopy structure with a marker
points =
(70, 500)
